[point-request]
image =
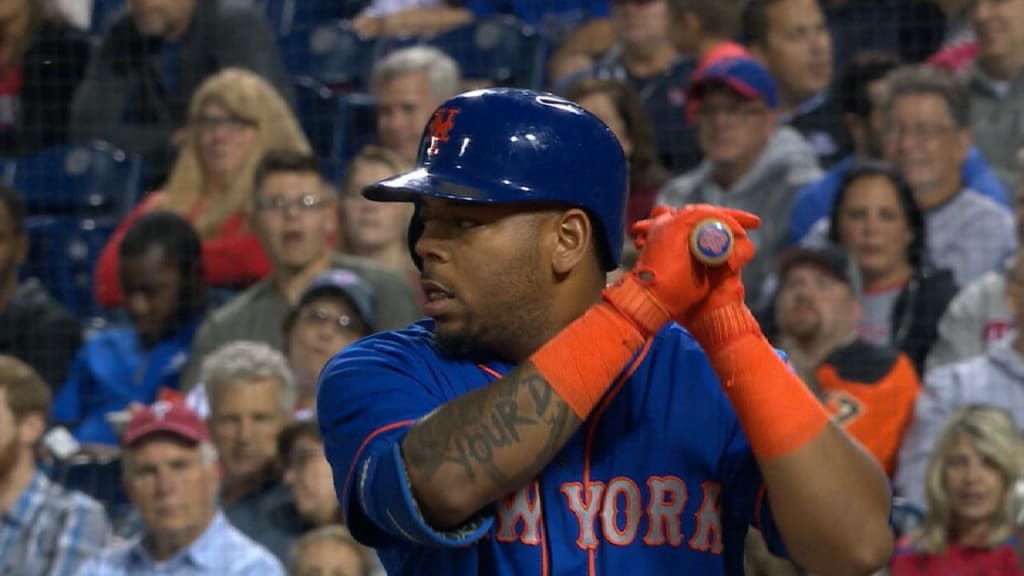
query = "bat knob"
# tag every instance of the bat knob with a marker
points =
(711, 242)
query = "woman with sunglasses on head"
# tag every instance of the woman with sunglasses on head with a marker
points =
(234, 117)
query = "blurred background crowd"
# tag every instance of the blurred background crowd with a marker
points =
(183, 243)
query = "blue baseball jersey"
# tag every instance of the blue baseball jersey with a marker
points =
(659, 479)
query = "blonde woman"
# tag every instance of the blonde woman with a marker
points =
(970, 485)
(234, 117)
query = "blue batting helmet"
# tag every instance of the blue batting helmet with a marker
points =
(512, 145)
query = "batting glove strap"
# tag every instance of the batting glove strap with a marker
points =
(631, 298)
(716, 328)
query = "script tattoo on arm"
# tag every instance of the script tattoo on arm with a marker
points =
(489, 442)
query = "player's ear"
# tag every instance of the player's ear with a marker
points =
(573, 240)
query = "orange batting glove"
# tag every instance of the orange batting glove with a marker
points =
(668, 283)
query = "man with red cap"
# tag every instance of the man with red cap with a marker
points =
(171, 477)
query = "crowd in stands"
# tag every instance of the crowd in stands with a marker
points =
(169, 424)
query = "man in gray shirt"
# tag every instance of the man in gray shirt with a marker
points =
(295, 215)
(750, 162)
(927, 137)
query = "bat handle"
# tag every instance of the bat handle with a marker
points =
(711, 242)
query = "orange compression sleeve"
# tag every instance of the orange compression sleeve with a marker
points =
(776, 409)
(583, 360)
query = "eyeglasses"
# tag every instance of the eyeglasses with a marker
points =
(304, 203)
(211, 123)
(733, 112)
(918, 132)
(321, 317)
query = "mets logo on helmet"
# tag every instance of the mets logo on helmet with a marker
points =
(440, 124)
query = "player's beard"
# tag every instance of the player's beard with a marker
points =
(461, 344)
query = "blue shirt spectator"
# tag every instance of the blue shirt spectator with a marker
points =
(171, 474)
(165, 296)
(50, 530)
(45, 529)
(113, 370)
(221, 551)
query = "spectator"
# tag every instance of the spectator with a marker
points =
(295, 216)
(408, 84)
(42, 60)
(927, 138)
(621, 108)
(860, 91)
(335, 310)
(996, 379)
(251, 394)
(869, 389)
(308, 474)
(979, 316)
(376, 231)
(161, 273)
(330, 550)
(996, 83)
(706, 30)
(47, 530)
(136, 93)
(972, 505)
(876, 219)
(750, 162)
(33, 327)
(793, 41)
(234, 118)
(645, 57)
(391, 18)
(170, 475)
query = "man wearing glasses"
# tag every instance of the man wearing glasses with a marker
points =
(926, 136)
(750, 162)
(295, 215)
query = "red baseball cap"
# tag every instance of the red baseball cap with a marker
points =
(174, 418)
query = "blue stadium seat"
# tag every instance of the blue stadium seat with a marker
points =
(315, 107)
(104, 12)
(499, 51)
(287, 16)
(333, 53)
(355, 126)
(62, 255)
(93, 178)
(337, 125)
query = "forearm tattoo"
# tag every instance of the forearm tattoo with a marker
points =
(507, 432)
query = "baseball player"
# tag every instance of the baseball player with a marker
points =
(541, 423)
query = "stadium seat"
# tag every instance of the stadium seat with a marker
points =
(62, 255)
(287, 16)
(355, 126)
(93, 178)
(337, 125)
(334, 54)
(104, 12)
(499, 51)
(315, 107)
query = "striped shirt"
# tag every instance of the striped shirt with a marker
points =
(220, 551)
(50, 531)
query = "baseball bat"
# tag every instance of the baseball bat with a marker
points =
(711, 242)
